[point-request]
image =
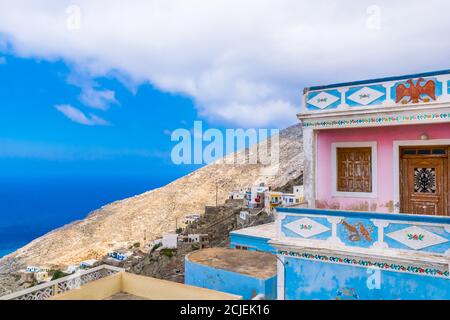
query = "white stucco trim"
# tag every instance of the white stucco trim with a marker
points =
(309, 167)
(356, 115)
(373, 146)
(396, 152)
(280, 277)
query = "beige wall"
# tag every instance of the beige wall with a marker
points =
(141, 286)
(96, 290)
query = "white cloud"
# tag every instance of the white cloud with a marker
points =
(244, 62)
(78, 116)
(90, 95)
(100, 99)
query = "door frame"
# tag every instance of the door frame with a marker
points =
(396, 155)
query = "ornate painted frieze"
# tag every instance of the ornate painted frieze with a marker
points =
(393, 92)
(369, 263)
(377, 120)
(373, 231)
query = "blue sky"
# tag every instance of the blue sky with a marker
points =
(90, 90)
(37, 139)
(54, 170)
(96, 87)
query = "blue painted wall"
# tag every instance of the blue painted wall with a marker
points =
(230, 282)
(358, 230)
(253, 243)
(309, 280)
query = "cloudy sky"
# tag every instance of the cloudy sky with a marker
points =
(241, 62)
(112, 77)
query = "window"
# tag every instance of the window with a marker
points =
(354, 169)
(424, 151)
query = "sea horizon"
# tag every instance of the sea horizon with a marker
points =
(30, 208)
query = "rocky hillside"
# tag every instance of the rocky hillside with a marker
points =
(122, 223)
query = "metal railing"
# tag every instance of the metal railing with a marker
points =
(49, 289)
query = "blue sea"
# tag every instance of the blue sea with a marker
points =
(32, 207)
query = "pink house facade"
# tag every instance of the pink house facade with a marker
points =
(379, 145)
(376, 180)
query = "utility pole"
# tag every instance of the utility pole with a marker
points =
(217, 187)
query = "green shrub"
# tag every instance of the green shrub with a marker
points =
(167, 252)
(156, 246)
(57, 274)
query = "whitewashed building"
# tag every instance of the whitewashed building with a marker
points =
(191, 218)
(170, 240)
(88, 264)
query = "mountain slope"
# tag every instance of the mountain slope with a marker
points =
(125, 222)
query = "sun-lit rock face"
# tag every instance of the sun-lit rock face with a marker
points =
(122, 223)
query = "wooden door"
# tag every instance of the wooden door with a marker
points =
(424, 180)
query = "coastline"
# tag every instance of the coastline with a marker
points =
(19, 223)
(5, 252)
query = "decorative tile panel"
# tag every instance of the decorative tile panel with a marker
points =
(306, 227)
(416, 238)
(323, 100)
(365, 96)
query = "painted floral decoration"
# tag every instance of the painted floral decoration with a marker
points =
(413, 236)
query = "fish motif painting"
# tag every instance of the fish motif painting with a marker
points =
(357, 232)
(347, 294)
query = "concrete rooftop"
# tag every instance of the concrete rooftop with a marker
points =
(266, 231)
(261, 265)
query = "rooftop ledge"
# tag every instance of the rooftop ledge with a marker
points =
(404, 96)
(111, 283)
(416, 244)
(367, 215)
(328, 248)
(377, 80)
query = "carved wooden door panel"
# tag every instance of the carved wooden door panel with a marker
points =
(424, 184)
